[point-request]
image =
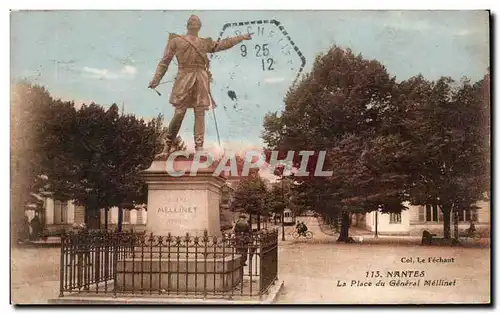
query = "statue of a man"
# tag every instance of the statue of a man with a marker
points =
(192, 84)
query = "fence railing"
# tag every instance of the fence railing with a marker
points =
(89, 258)
(124, 263)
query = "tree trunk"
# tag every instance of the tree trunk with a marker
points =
(106, 210)
(258, 222)
(344, 228)
(17, 210)
(336, 222)
(16, 220)
(455, 223)
(446, 221)
(92, 217)
(120, 219)
(43, 215)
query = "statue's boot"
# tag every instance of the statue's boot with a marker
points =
(167, 147)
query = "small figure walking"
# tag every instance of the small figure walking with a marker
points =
(243, 235)
(36, 227)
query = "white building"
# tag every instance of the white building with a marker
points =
(418, 218)
(59, 215)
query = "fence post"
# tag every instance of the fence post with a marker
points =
(97, 266)
(62, 266)
(277, 255)
(261, 266)
(114, 244)
(79, 262)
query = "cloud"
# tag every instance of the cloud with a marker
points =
(237, 147)
(130, 70)
(403, 20)
(126, 72)
(268, 173)
(441, 22)
(78, 103)
(466, 32)
(274, 80)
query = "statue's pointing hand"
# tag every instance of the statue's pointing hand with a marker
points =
(247, 36)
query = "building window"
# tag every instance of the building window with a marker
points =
(467, 215)
(435, 214)
(60, 212)
(126, 215)
(432, 213)
(421, 213)
(395, 218)
(428, 212)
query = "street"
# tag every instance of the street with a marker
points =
(312, 270)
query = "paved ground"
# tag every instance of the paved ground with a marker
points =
(34, 275)
(312, 270)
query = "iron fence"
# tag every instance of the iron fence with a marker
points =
(125, 263)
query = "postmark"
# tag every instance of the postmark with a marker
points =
(272, 47)
(271, 61)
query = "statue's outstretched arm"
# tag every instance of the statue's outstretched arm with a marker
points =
(228, 43)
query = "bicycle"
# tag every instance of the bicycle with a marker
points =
(307, 235)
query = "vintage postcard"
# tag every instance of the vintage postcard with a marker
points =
(250, 157)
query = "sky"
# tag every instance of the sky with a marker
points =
(110, 56)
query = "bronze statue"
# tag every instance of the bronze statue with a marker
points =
(192, 84)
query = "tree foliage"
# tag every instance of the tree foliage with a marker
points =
(447, 124)
(386, 142)
(111, 150)
(38, 149)
(338, 108)
(251, 196)
(92, 155)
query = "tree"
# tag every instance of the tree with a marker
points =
(448, 126)
(92, 155)
(251, 197)
(38, 159)
(112, 150)
(107, 153)
(277, 201)
(339, 108)
(281, 196)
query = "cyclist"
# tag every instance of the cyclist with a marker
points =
(301, 228)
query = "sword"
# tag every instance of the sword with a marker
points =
(159, 94)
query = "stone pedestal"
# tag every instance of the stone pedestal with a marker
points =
(180, 205)
(180, 275)
(185, 203)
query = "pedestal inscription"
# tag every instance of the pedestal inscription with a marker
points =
(177, 212)
(180, 205)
